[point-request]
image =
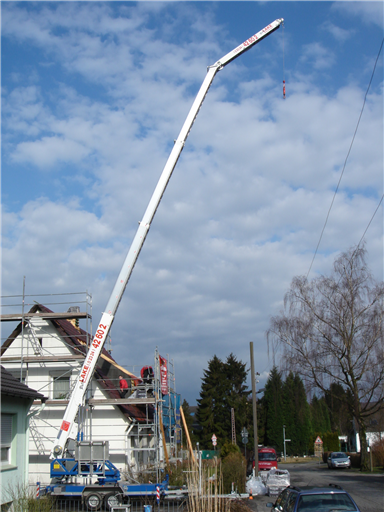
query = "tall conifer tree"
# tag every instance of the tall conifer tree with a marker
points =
(273, 403)
(237, 393)
(297, 415)
(210, 404)
(223, 388)
(319, 416)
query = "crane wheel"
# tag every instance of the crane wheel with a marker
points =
(93, 501)
(112, 499)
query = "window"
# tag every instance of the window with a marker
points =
(291, 502)
(325, 501)
(61, 387)
(267, 456)
(6, 438)
(281, 500)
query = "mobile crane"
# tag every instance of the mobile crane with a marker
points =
(68, 428)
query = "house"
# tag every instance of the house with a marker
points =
(48, 349)
(16, 402)
(374, 433)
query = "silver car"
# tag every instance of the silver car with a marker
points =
(339, 460)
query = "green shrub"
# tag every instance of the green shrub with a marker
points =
(228, 448)
(23, 499)
(178, 473)
(233, 468)
(331, 441)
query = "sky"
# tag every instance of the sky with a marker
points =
(94, 95)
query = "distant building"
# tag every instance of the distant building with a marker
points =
(16, 402)
(374, 433)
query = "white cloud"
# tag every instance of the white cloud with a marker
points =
(48, 151)
(317, 56)
(339, 33)
(370, 12)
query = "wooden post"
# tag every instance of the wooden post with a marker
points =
(187, 435)
(164, 442)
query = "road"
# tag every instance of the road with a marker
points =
(366, 489)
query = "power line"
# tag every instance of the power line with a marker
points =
(345, 162)
(369, 223)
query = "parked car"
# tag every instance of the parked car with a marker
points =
(319, 499)
(339, 460)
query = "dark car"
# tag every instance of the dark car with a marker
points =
(314, 499)
(339, 460)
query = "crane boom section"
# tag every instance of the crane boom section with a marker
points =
(249, 43)
(67, 429)
(144, 225)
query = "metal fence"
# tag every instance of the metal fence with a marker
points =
(77, 505)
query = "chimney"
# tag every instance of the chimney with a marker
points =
(74, 321)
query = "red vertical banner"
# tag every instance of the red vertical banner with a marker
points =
(163, 375)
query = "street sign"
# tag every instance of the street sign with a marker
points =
(214, 440)
(244, 435)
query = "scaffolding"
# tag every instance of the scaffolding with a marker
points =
(156, 444)
(151, 443)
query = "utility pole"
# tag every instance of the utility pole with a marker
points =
(285, 441)
(254, 405)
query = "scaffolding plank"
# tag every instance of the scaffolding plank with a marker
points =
(120, 401)
(36, 359)
(104, 401)
(18, 317)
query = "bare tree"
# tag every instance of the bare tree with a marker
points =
(331, 330)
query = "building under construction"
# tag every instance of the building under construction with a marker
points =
(46, 351)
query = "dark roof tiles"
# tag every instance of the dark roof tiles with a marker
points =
(13, 387)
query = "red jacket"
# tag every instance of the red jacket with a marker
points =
(123, 384)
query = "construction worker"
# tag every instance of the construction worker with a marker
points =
(123, 386)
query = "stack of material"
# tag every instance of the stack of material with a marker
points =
(277, 481)
(255, 486)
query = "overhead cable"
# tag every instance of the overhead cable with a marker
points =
(346, 159)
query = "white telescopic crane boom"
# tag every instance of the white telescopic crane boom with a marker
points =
(67, 428)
